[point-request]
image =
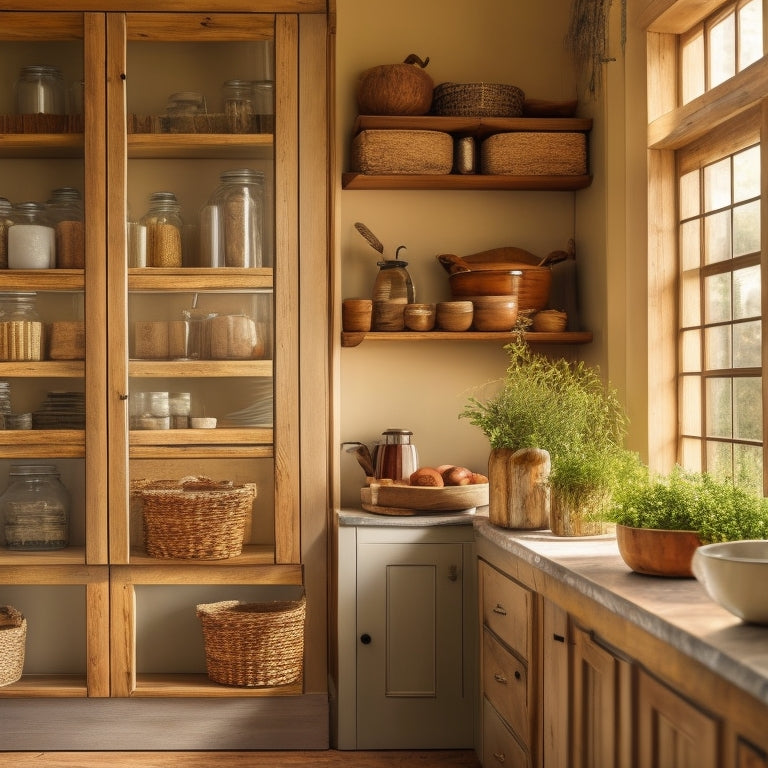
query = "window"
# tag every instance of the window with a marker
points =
(718, 249)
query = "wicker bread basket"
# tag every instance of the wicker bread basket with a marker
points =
(13, 636)
(402, 152)
(534, 154)
(254, 644)
(477, 100)
(195, 519)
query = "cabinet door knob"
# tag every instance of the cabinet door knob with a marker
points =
(365, 639)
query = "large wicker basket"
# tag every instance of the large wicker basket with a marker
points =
(254, 644)
(13, 637)
(477, 100)
(195, 520)
(393, 151)
(534, 154)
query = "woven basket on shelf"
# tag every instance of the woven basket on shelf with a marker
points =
(527, 153)
(392, 151)
(254, 644)
(477, 100)
(13, 636)
(196, 519)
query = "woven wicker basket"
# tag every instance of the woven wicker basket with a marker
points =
(13, 636)
(477, 100)
(534, 154)
(195, 520)
(253, 644)
(402, 152)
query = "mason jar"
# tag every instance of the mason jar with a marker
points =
(21, 330)
(31, 238)
(35, 508)
(39, 90)
(65, 209)
(238, 105)
(163, 225)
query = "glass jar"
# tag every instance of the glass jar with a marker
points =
(31, 238)
(238, 105)
(35, 508)
(185, 104)
(21, 331)
(39, 90)
(235, 221)
(264, 105)
(6, 220)
(392, 291)
(163, 225)
(65, 208)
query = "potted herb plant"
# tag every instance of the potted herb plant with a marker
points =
(661, 520)
(548, 421)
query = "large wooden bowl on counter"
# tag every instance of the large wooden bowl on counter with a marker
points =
(422, 500)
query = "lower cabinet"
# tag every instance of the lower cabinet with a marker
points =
(407, 639)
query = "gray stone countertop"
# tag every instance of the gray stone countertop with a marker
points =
(362, 518)
(677, 611)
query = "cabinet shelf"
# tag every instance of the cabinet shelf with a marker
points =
(195, 685)
(55, 686)
(471, 126)
(198, 145)
(199, 279)
(65, 369)
(473, 181)
(42, 279)
(42, 145)
(66, 556)
(353, 339)
(198, 368)
(253, 554)
(43, 443)
(184, 438)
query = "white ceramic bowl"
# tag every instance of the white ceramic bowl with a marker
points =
(735, 573)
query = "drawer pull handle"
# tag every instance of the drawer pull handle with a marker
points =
(500, 757)
(499, 678)
(558, 638)
(500, 610)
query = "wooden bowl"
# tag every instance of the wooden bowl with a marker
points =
(530, 284)
(494, 313)
(657, 552)
(419, 317)
(550, 321)
(454, 315)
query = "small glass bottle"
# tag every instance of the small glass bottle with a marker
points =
(6, 220)
(163, 227)
(65, 208)
(31, 238)
(39, 90)
(21, 331)
(234, 236)
(238, 105)
(35, 508)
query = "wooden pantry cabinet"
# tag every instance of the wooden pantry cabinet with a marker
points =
(106, 622)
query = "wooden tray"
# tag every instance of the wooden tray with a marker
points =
(415, 500)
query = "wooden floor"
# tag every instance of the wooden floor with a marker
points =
(317, 759)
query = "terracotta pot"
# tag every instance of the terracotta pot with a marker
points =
(657, 552)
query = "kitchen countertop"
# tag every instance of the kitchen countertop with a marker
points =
(676, 611)
(362, 518)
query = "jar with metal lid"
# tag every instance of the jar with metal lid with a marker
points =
(21, 331)
(238, 105)
(31, 238)
(35, 508)
(6, 220)
(65, 208)
(392, 291)
(39, 90)
(163, 230)
(236, 209)
(185, 103)
(395, 456)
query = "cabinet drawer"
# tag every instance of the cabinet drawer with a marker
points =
(505, 684)
(500, 747)
(506, 609)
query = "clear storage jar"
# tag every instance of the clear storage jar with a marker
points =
(6, 220)
(39, 90)
(65, 209)
(31, 238)
(163, 226)
(238, 105)
(21, 330)
(232, 222)
(35, 508)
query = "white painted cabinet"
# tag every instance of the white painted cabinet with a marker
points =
(407, 636)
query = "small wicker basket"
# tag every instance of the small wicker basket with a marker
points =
(393, 151)
(526, 153)
(254, 644)
(477, 100)
(198, 519)
(13, 636)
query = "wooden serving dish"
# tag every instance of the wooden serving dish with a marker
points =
(417, 500)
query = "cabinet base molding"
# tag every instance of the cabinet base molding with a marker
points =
(285, 722)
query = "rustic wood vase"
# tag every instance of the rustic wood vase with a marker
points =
(518, 488)
(657, 552)
(567, 518)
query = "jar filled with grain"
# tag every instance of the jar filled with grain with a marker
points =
(6, 220)
(21, 331)
(239, 216)
(163, 230)
(31, 238)
(65, 208)
(35, 508)
(238, 105)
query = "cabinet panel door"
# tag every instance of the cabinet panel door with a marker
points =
(413, 687)
(507, 609)
(500, 747)
(672, 732)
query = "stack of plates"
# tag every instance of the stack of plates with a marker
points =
(60, 410)
(259, 414)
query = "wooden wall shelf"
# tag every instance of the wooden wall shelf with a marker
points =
(353, 339)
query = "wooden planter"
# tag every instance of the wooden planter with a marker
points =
(581, 519)
(518, 488)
